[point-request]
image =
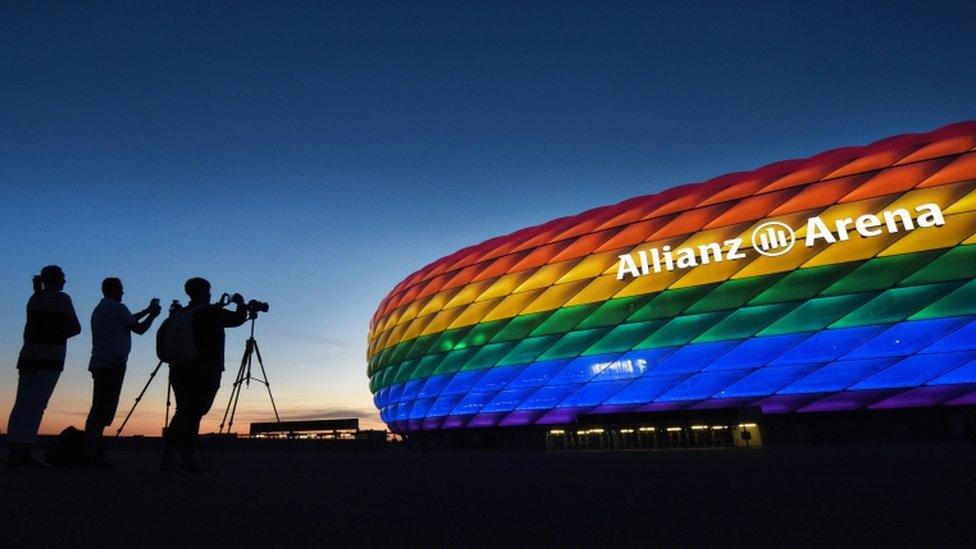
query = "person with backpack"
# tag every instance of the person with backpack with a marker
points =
(51, 321)
(192, 342)
(112, 326)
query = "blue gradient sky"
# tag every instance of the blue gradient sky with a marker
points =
(314, 155)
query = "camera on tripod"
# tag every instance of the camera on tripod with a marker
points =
(253, 307)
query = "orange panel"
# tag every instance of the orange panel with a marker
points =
(680, 202)
(583, 245)
(635, 211)
(751, 208)
(633, 234)
(961, 169)
(810, 174)
(945, 147)
(586, 223)
(462, 277)
(690, 221)
(821, 194)
(500, 266)
(539, 256)
(547, 235)
(896, 180)
(736, 190)
(876, 161)
(435, 285)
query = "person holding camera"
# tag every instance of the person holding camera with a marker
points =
(112, 326)
(51, 322)
(195, 381)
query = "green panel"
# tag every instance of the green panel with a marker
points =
(957, 263)
(896, 304)
(383, 359)
(386, 377)
(880, 273)
(817, 314)
(960, 302)
(420, 346)
(574, 343)
(453, 361)
(670, 303)
(681, 330)
(746, 322)
(481, 334)
(732, 294)
(406, 370)
(803, 283)
(400, 351)
(520, 327)
(448, 339)
(565, 319)
(614, 311)
(489, 355)
(624, 337)
(528, 349)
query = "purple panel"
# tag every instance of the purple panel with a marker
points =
(664, 406)
(609, 409)
(485, 420)
(432, 424)
(414, 424)
(922, 396)
(454, 422)
(968, 399)
(846, 400)
(781, 404)
(560, 415)
(521, 417)
(722, 403)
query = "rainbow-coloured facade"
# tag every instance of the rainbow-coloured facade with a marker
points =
(541, 325)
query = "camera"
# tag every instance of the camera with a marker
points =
(254, 307)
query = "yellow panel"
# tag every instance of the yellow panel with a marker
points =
(469, 292)
(647, 284)
(511, 305)
(396, 336)
(957, 228)
(713, 272)
(554, 296)
(546, 275)
(854, 249)
(943, 195)
(409, 313)
(592, 266)
(598, 289)
(970, 240)
(437, 301)
(764, 265)
(964, 204)
(440, 323)
(473, 313)
(505, 285)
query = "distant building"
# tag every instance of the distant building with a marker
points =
(826, 298)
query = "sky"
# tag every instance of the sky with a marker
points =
(314, 154)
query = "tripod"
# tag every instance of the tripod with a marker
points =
(244, 377)
(169, 391)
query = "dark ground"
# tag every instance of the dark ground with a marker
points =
(921, 495)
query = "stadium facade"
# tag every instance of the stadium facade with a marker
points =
(838, 284)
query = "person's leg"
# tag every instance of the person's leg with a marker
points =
(177, 425)
(105, 402)
(34, 390)
(205, 388)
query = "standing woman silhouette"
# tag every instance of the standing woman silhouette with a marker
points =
(51, 321)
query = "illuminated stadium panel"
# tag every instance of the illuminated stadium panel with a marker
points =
(590, 313)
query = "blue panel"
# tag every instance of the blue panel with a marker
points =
(395, 392)
(537, 374)
(963, 339)
(827, 345)
(434, 386)
(385, 415)
(403, 411)
(838, 375)
(382, 397)
(963, 374)
(506, 401)
(701, 385)
(411, 389)
(644, 390)
(692, 358)
(443, 406)
(497, 379)
(766, 381)
(548, 397)
(462, 383)
(593, 394)
(758, 351)
(914, 371)
(581, 369)
(472, 403)
(634, 364)
(906, 338)
(419, 409)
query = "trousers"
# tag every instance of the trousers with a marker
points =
(194, 389)
(34, 390)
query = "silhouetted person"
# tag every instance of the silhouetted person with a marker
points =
(51, 321)
(195, 382)
(112, 326)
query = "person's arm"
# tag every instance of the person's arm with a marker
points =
(141, 321)
(71, 325)
(233, 319)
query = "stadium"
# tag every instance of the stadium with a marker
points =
(592, 331)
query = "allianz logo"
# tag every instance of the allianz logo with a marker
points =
(775, 238)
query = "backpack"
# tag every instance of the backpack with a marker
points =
(175, 343)
(67, 449)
